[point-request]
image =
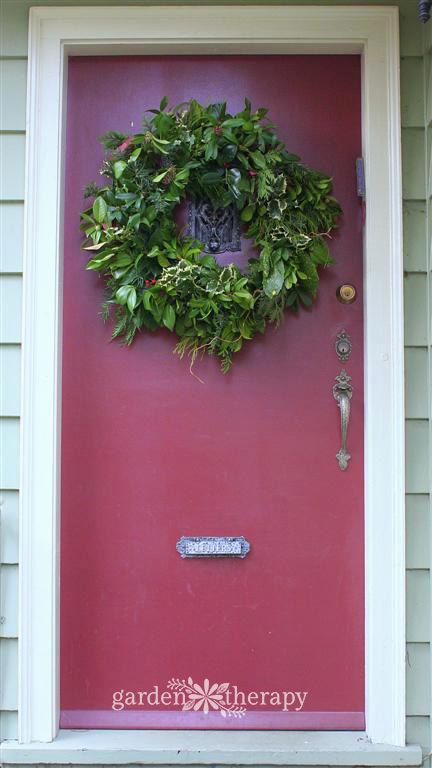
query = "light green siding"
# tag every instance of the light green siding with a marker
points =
(13, 75)
(12, 154)
(9, 527)
(418, 604)
(417, 466)
(10, 373)
(9, 600)
(10, 309)
(412, 103)
(414, 224)
(427, 44)
(413, 161)
(416, 319)
(11, 236)
(416, 109)
(416, 383)
(417, 531)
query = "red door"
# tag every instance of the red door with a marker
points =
(150, 453)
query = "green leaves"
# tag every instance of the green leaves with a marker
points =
(147, 300)
(131, 299)
(160, 176)
(127, 295)
(211, 150)
(155, 276)
(135, 155)
(217, 110)
(98, 264)
(259, 160)
(122, 294)
(212, 177)
(233, 122)
(274, 282)
(244, 298)
(169, 317)
(118, 168)
(100, 209)
(320, 252)
(247, 212)
(112, 139)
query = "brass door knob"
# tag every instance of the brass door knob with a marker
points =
(346, 293)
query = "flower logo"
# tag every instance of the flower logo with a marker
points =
(205, 697)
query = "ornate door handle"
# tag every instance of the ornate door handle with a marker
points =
(342, 393)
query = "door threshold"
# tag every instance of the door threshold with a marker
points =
(319, 748)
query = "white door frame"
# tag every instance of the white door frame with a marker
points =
(57, 32)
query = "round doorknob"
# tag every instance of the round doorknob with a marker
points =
(346, 293)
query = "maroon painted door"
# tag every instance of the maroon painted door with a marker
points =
(149, 453)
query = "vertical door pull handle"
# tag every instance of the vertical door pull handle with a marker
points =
(342, 393)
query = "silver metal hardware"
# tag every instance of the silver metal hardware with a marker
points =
(343, 346)
(342, 393)
(360, 174)
(213, 546)
(218, 229)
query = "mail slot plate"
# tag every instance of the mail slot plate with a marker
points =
(213, 546)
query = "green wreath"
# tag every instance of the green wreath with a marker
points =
(157, 277)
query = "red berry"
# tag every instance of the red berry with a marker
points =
(154, 282)
(147, 283)
(125, 144)
(252, 173)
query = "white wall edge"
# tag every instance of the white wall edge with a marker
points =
(54, 31)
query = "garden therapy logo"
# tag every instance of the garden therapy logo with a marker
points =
(209, 698)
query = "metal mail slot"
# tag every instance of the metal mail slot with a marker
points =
(213, 546)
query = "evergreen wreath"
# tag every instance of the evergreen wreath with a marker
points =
(157, 277)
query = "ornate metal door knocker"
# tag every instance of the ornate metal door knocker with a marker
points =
(218, 229)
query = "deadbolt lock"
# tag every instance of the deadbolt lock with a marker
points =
(346, 293)
(343, 346)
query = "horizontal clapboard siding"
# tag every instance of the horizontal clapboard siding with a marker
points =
(10, 375)
(9, 600)
(415, 150)
(416, 382)
(418, 606)
(12, 156)
(11, 237)
(13, 74)
(9, 527)
(417, 531)
(414, 224)
(418, 679)
(416, 107)
(10, 309)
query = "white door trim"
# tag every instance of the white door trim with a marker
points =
(54, 33)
